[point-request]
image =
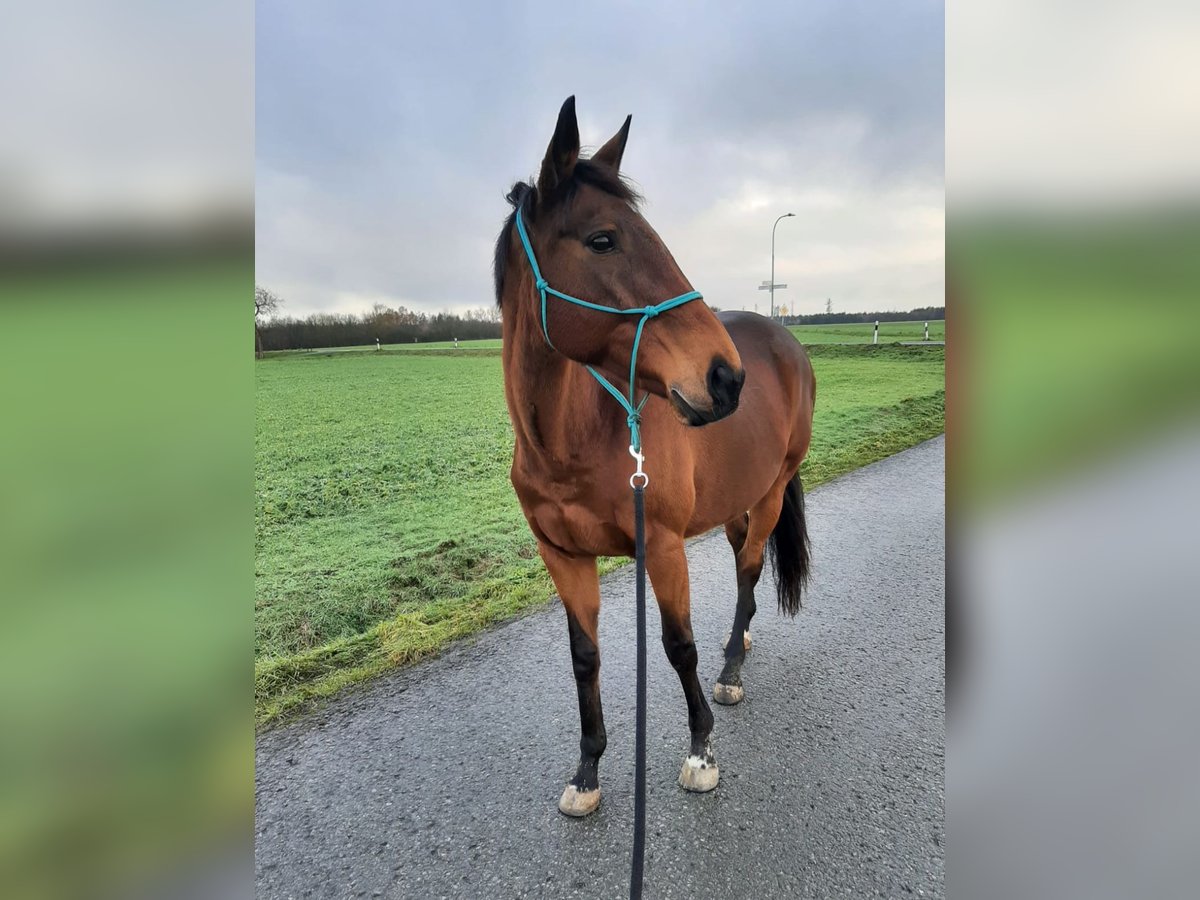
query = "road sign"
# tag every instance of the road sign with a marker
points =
(766, 286)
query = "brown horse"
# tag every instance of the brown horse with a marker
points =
(571, 466)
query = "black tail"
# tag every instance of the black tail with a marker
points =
(788, 546)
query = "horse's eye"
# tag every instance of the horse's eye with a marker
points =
(602, 242)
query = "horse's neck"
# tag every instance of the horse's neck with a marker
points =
(556, 411)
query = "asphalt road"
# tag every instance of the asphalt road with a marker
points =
(442, 780)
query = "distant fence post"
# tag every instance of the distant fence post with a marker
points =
(926, 331)
(378, 346)
(875, 340)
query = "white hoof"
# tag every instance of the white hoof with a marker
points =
(577, 803)
(747, 643)
(699, 774)
(728, 694)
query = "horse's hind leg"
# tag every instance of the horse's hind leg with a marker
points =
(749, 555)
(735, 532)
(666, 565)
(578, 585)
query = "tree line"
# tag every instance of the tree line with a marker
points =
(382, 323)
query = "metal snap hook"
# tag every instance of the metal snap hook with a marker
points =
(641, 458)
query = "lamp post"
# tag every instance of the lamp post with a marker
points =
(773, 227)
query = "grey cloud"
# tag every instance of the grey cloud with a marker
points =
(386, 140)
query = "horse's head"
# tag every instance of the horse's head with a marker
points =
(591, 243)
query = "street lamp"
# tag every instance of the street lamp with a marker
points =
(773, 227)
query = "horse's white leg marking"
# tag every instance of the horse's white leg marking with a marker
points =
(699, 773)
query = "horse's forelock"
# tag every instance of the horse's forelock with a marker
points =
(516, 196)
(605, 178)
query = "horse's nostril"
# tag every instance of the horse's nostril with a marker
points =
(735, 386)
(724, 384)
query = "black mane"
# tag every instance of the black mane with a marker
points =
(523, 195)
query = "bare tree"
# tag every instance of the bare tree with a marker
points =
(828, 306)
(265, 304)
(484, 314)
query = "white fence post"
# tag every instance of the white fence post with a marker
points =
(876, 338)
(926, 331)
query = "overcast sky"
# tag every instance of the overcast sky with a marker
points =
(387, 135)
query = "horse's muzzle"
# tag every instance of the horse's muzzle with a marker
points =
(724, 389)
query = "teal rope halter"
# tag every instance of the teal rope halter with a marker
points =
(633, 417)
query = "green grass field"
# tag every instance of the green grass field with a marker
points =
(385, 522)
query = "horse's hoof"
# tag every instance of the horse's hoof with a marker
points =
(728, 694)
(747, 643)
(699, 774)
(577, 803)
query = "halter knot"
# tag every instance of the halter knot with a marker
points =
(633, 420)
(542, 284)
(651, 311)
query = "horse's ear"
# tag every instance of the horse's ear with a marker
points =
(563, 152)
(610, 154)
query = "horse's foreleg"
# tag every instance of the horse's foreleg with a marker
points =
(666, 565)
(578, 585)
(748, 551)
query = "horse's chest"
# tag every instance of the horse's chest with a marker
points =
(575, 522)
